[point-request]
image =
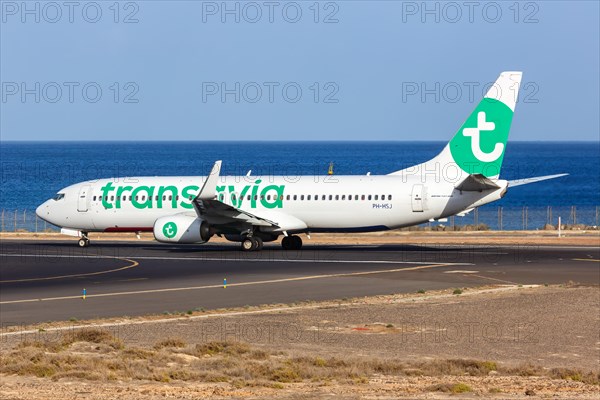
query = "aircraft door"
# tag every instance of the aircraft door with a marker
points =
(82, 200)
(417, 198)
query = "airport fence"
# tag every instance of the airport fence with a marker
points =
(482, 218)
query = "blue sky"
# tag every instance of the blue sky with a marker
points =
(345, 70)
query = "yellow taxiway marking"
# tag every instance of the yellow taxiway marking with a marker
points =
(299, 278)
(133, 264)
(586, 259)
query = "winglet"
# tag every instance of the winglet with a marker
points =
(209, 189)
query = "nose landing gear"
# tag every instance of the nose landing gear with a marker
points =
(84, 241)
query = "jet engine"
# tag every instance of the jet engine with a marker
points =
(182, 228)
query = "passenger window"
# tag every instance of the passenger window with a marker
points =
(316, 197)
(330, 197)
(281, 197)
(164, 197)
(94, 198)
(362, 197)
(295, 197)
(288, 197)
(355, 197)
(343, 197)
(323, 197)
(301, 197)
(308, 197)
(233, 197)
(376, 197)
(248, 197)
(268, 197)
(389, 196)
(170, 197)
(369, 197)
(112, 198)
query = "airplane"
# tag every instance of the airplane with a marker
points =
(253, 210)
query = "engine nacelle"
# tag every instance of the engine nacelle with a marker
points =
(182, 228)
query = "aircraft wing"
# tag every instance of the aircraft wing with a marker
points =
(218, 213)
(526, 181)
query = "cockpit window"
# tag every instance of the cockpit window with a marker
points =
(59, 196)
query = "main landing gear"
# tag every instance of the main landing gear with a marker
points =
(291, 242)
(252, 243)
(84, 241)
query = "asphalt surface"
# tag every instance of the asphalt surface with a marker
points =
(44, 281)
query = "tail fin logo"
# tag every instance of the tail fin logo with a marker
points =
(479, 145)
(475, 134)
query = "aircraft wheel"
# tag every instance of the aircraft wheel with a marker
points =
(83, 242)
(259, 243)
(296, 242)
(248, 244)
(291, 243)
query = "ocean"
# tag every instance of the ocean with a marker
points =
(34, 171)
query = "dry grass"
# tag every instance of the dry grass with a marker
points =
(95, 355)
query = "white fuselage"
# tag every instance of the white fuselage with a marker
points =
(306, 203)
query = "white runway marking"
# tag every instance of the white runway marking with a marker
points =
(298, 260)
(461, 271)
(299, 278)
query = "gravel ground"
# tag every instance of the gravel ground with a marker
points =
(551, 327)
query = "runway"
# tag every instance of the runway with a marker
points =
(44, 280)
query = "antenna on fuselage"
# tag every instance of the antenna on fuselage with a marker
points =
(330, 171)
(249, 172)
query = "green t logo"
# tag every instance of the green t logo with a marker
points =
(478, 147)
(170, 229)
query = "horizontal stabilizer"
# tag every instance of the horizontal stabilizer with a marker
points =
(526, 181)
(476, 183)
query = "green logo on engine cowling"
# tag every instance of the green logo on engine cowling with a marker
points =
(170, 230)
(478, 147)
(270, 196)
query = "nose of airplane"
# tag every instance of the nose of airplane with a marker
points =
(42, 210)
